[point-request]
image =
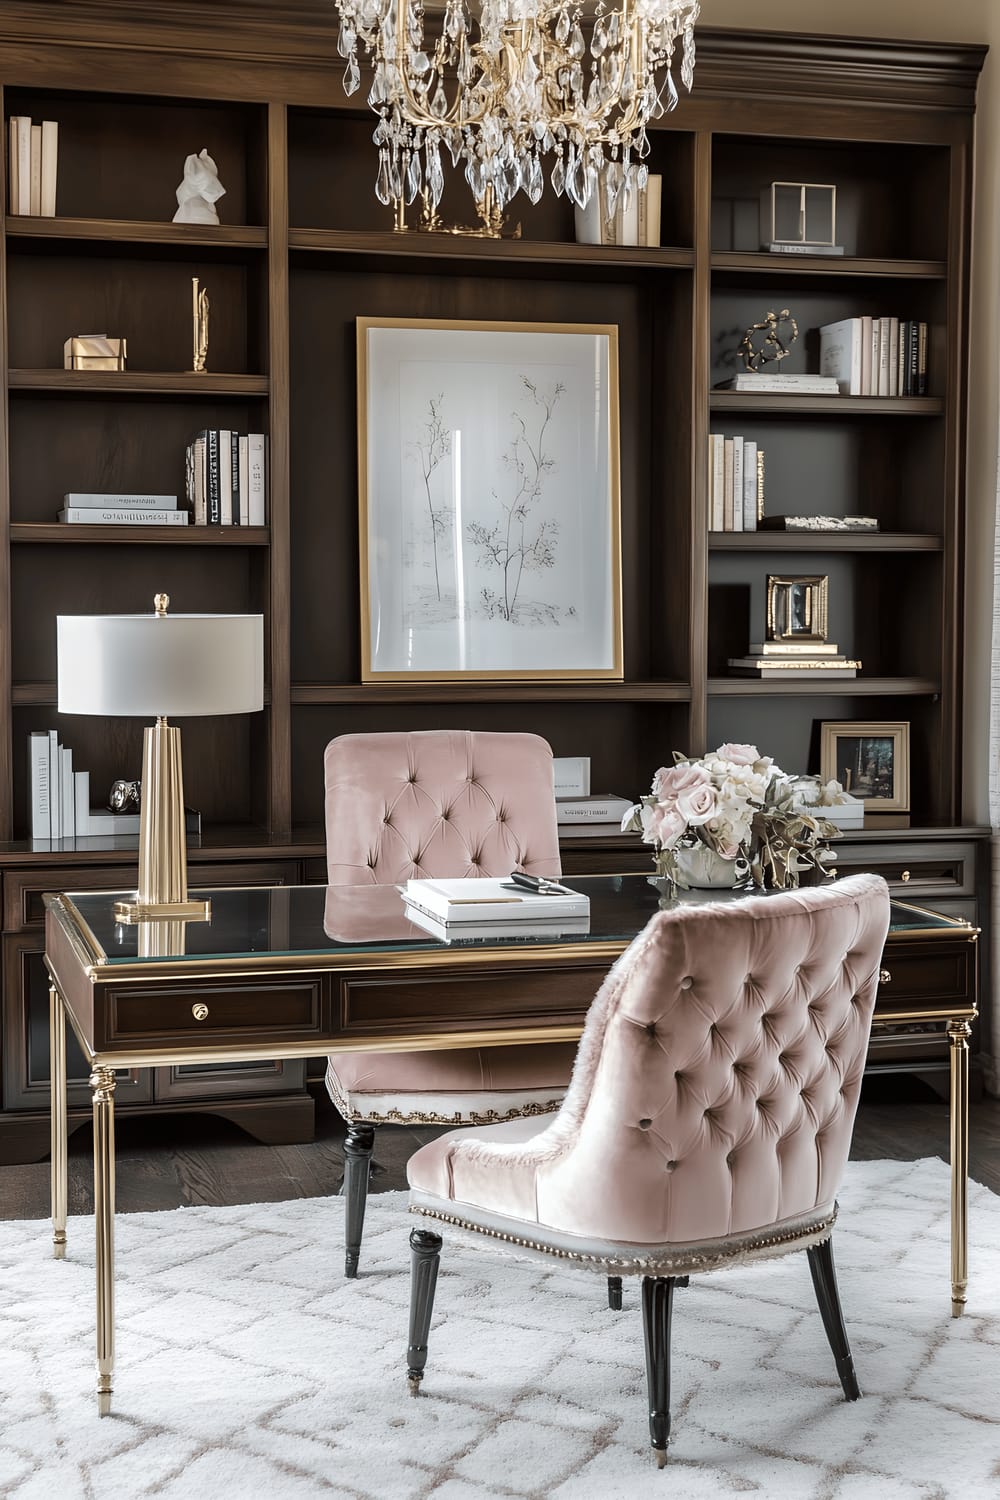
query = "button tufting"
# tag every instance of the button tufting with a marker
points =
(651, 1029)
(687, 982)
(671, 1166)
(645, 1124)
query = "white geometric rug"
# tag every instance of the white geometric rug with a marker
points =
(248, 1369)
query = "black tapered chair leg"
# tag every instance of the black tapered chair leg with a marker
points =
(824, 1276)
(615, 1293)
(657, 1307)
(358, 1146)
(425, 1255)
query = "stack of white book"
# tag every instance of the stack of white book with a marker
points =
(59, 797)
(486, 907)
(31, 166)
(763, 383)
(121, 510)
(776, 661)
(591, 816)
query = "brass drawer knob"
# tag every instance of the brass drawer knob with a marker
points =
(199, 1010)
(885, 976)
(904, 877)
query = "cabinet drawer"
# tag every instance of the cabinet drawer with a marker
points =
(918, 978)
(23, 889)
(914, 870)
(285, 1011)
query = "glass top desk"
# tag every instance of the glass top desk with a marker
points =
(298, 971)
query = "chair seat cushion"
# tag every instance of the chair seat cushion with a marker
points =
(471, 1086)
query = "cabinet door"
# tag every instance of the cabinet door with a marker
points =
(26, 1037)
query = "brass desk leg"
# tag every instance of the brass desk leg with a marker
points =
(102, 1082)
(57, 1118)
(958, 1036)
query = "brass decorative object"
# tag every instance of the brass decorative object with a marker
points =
(799, 216)
(769, 341)
(94, 351)
(199, 328)
(797, 608)
(490, 226)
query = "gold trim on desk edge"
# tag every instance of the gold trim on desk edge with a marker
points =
(955, 924)
(174, 1056)
(83, 942)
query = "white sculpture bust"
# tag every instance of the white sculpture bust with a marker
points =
(197, 194)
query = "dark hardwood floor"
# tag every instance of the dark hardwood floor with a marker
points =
(197, 1159)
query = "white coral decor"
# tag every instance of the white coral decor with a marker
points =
(744, 808)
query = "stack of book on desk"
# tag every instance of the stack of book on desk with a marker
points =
(591, 816)
(486, 908)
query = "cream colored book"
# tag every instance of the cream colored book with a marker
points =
(35, 188)
(50, 157)
(653, 197)
(23, 123)
(12, 165)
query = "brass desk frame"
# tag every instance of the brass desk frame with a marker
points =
(81, 978)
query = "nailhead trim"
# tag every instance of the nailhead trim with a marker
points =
(430, 1117)
(685, 1262)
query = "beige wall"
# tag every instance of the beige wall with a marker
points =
(953, 21)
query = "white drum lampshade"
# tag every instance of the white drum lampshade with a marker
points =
(155, 666)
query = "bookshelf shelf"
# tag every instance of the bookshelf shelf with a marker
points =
(812, 687)
(321, 693)
(126, 232)
(825, 406)
(59, 533)
(836, 267)
(824, 541)
(444, 249)
(136, 383)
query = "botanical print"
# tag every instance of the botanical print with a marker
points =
(492, 515)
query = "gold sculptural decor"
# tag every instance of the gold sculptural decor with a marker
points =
(199, 325)
(768, 341)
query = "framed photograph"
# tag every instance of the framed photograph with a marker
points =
(870, 760)
(797, 608)
(489, 501)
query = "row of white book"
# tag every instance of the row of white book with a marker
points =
(32, 159)
(60, 797)
(735, 483)
(226, 478)
(871, 356)
(634, 223)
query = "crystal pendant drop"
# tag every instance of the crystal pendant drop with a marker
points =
(413, 177)
(558, 178)
(382, 191)
(352, 78)
(562, 28)
(536, 181)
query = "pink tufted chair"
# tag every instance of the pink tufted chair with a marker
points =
(707, 1123)
(445, 803)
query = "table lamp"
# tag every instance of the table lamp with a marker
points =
(160, 664)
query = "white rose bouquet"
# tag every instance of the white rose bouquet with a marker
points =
(745, 809)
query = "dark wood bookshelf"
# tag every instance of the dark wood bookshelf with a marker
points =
(304, 249)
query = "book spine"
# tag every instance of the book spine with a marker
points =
(727, 484)
(866, 356)
(91, 515)
(737, 484)
(67, 790)
(121, 502)
(55, 786)
(760, 485)
(234, 478)
(883, 357)
(225, 479)
(258, 479)
(50, 161)
(12, 165)
(35, 188)
(921, 359)
(749, 486)
(200, 508)
(39, 817)
(23, 164)
(654, 199)
(81, 799)
(244, 506)
(606, 810)
(718, 515)
(893, 356)
(212, 463)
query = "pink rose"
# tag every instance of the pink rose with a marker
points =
(697, 804)
(662, 824)
(739, 755)
(684, 777)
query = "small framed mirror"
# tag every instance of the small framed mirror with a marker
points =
(797, 608)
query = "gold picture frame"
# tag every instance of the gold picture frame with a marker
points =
(489, 501)
(871, 760)
(797, 607)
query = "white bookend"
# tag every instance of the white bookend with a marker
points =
(727, 484)
(50, 160)
(81, 799)
(481, 900)
(55, 785)
(258, 479)
(12, 165)
(867, 339)
(67, 792)
(35, 189)
(737, 483)
(225, 477)
(244, 517)
(716, 477)
(840, 354)
(654, 194)
(23, 123)
(749, 485)
(39, 817)
(606, 808)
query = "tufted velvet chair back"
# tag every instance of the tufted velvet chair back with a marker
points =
(441, 802)
(716, 1082)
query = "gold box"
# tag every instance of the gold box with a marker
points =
(93, 351)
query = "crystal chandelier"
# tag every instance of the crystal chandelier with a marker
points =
(515, 89)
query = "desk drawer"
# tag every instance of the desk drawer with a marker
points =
(913, 871)
(918, 979)
(284, 1011)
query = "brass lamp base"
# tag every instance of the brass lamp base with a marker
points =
(162, 893)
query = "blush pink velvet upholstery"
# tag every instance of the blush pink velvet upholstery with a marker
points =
(442, 803)
(711, 1107)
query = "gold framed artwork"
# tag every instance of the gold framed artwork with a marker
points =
(489, 500)
(871, 760)
(797, 607)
